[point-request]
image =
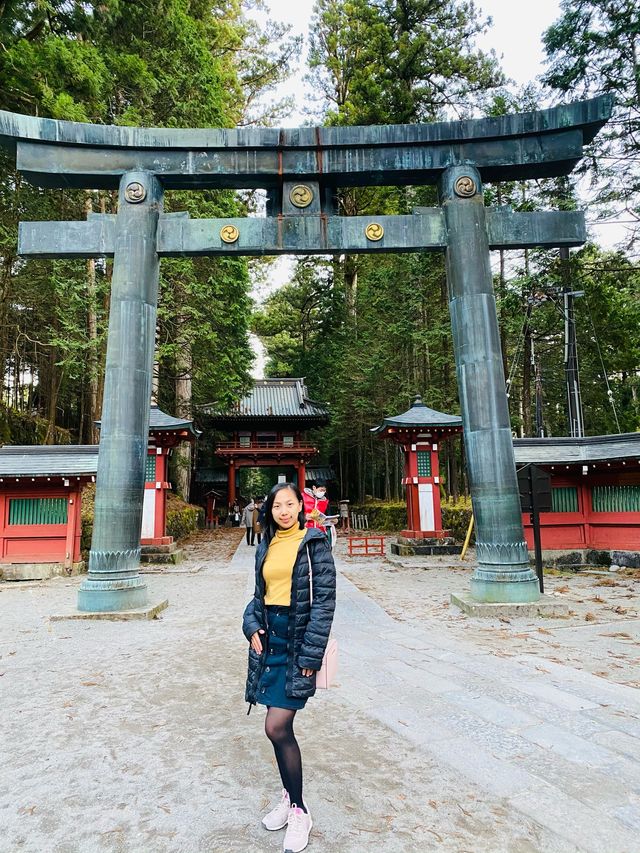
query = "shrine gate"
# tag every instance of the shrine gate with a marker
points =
(301, 170)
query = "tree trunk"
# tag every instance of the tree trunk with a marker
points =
(92, 433)
(527, 427)
(502, 289)
(359, 470)
(387, 478)
(351, 284)
(101, 356)
(183, 410)
(54, 388)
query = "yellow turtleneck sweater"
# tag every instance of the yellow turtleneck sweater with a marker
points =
(278, 565)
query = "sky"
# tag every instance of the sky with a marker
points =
(515, 35)
(521, 55)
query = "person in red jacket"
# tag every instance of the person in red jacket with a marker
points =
(316, 504)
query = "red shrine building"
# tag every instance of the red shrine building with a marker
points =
(420, 431)
(595, 492)
(41, 493)
(265, 429)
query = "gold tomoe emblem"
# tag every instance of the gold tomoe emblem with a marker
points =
(135, 192)
(301, 195)
(374, 231)
(465, 187)
(229, 233)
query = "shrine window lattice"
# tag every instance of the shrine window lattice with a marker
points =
(564, 499)
(424, 463)
(615, 498)
(38, 511)
(150, 469)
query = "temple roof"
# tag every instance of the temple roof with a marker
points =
(273, 398)
(420, 416)
(74, 460)
(567, 451)
(49, 460)
(160, 421)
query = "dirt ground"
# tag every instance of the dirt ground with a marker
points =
(133, 737)
(600, 635)
(218, 544)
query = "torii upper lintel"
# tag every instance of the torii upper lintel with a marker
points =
(544, 143)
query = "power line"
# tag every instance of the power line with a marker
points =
(604, 370)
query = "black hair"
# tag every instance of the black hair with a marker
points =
(270, 525)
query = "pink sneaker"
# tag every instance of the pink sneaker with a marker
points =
(298, 830)
(278, 817)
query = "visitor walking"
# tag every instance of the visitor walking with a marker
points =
(247, 521)
(257, 524)
(287, 636)
(235, 515)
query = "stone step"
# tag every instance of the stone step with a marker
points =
(169, 548)
(172, 557)
(423, 550)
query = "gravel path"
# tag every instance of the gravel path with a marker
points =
(443, 733)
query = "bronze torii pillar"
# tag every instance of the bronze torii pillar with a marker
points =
(301, 170)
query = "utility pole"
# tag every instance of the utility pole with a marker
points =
(574, 400)
(538, 385)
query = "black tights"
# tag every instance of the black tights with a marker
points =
(279, 729)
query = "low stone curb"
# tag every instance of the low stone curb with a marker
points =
(115, 615)
(545, 606)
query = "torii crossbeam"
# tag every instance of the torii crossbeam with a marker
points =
(301, 169)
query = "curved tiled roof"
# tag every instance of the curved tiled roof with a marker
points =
(49, 460)
(160, 421)
(420, 415)
(566, 451)
(273, 398)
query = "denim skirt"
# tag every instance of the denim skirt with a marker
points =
(271, 687)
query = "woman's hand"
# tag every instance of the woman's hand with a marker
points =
(256, 643)
(308, 672)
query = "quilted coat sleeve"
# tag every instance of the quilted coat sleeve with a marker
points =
(250, 623)
(318, 627)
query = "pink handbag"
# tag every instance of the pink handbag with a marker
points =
(326, 675)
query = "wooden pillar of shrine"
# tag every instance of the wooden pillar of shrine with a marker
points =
(231, 478)
(301, 471)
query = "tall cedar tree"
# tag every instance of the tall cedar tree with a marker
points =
(594, 48)
(176, 63)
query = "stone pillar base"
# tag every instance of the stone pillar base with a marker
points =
(523, 588)
(146, 613)
(113, 582)
(424, 534)
(106, 596)
(545, 606)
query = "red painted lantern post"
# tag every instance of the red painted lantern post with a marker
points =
(420, 431)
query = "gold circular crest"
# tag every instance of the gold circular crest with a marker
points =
(301, 195)
(135, 192)
(374, 231)
(229, 233)
(465, 187)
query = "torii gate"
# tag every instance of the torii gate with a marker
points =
(301, 170)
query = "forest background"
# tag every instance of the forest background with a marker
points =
(367, 332)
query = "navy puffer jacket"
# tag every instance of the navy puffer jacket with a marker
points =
(309, 626)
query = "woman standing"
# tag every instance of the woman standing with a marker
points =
(288, 635)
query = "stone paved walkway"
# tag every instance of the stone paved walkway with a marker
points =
(134, 736)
